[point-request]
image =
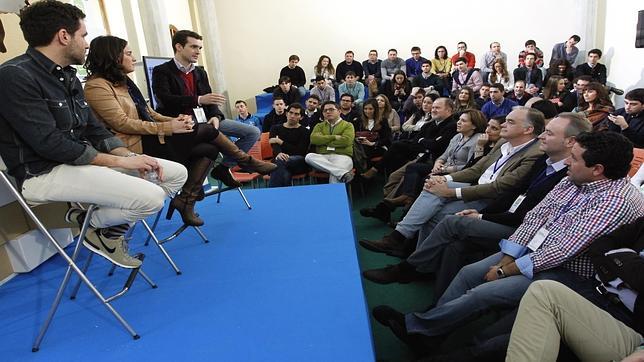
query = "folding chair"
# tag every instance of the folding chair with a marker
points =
(72, 266)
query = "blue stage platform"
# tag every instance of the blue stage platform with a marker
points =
(280, 282)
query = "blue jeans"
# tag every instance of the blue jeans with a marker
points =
(281, 176)
(246, 136)
(468, 297)
(429, 209)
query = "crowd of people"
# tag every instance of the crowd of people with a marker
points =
(514, 184)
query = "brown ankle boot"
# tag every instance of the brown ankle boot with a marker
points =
(222, 173)
(185, 204)
(190, 192)
(243, 159)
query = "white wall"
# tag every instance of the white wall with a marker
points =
(624, 61)
(258, 35)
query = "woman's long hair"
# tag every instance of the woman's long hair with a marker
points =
(376, 114)
(105, 57)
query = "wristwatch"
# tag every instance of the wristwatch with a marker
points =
(500, 273)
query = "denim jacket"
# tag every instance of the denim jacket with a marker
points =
(44, 118)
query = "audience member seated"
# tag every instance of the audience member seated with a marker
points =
(397, 90)
(325, 68)
(372, 132)
(608, 305)
(471, 235)
(289, 93)
(465, 76)
(529, 73)
(245, 117)
(372, 71)
(473, 188)
(391, 65)
(118, 102)
(470, 58)
(333, 140)
(347, 111)
(484, 95)
(312, 114)
(593, 67)
(519, 94)
(489, 58)
(323, 90)
(295, 74)
(577, 93)
(49, 149)
(596, 106)
(629, 120)
(420, 116)
(486, 142)
(565, 51)
(290, 143)
(349, 64)
(442, 67)
(601, 204)
(432, 140)
(469, 127)
(414, 102)
(548, 109)
(498, 105)
(551, 314)
(562, 68)
(555, 91)
(276, 116)
(413, 64)
(500, 74)
(531, 47)
(353, 87)
(387, 112)
(428, 80)
(465, 100)
(181, 88)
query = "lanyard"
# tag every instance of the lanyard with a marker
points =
(498, 167)
(567, 207)
(459, 146)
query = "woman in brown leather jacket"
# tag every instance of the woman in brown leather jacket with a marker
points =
(118, 102)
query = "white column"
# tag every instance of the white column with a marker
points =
(155, 28)
(206, 14)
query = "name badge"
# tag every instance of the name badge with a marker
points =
(516, 203)
(538, 239)
(200, 115)
(329, 148)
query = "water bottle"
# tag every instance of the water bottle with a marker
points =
(152, 176)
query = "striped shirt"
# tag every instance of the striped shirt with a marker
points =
(574, 216)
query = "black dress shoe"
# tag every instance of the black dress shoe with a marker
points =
(380, 212)
(389, 317)
(384, 245)
(400, 273)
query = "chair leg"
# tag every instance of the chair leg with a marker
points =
(161, 248)
(154, 227)
(201, 234)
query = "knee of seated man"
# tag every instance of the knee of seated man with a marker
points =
(151, 199)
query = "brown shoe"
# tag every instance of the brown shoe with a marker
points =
(402, 200)
(371, 173)
(253, 164)
(385, 245)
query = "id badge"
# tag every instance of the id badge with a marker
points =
(538, 239)
(329, 148)
(200, 115)
(516, 203)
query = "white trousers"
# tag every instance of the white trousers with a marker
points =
(335, 165)
(121, 195)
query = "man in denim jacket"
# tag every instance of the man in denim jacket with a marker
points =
(58, 151)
